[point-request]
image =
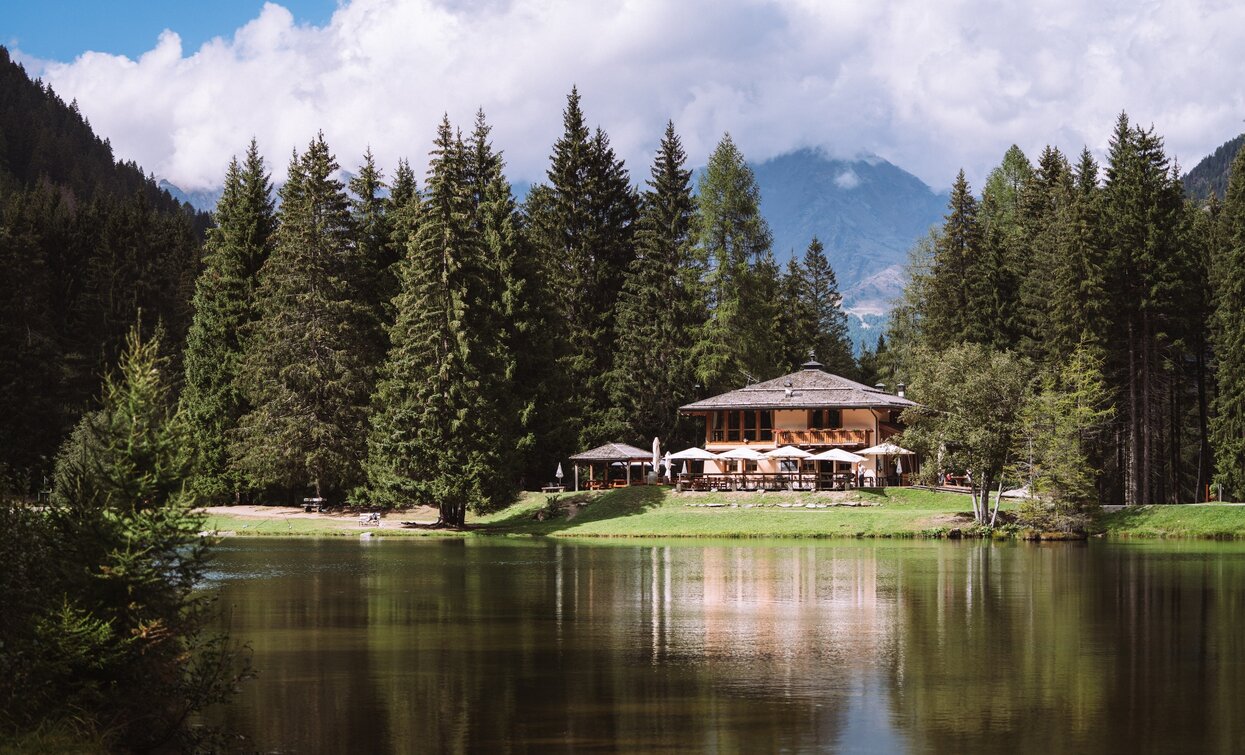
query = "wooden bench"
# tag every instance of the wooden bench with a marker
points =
(553, 489)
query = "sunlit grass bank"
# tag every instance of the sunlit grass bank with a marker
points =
(649, 511)
(1202, 520)
(660, 512)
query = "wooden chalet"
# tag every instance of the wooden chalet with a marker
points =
(811, 409)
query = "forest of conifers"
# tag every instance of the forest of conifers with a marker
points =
(393, 340)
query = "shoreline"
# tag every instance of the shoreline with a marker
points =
(645, 512)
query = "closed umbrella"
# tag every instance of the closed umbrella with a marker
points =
(656, 454)
(558, 474)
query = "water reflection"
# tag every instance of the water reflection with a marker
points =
(947, 647)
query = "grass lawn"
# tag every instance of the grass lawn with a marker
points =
(660, 512)
(650, 511)
(1194, 520)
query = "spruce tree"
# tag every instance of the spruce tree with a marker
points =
(1145, 256)
(795, 325)
(1228, 334)
(830, 343)
(582, 225)
(1005, 252)
(224, 307)
(1074, 287)
(951, 306)
(515, 307)
(129, 569)
(432, 439)
(372, 270)
(659, 308)
(307, 379)
(736, 339)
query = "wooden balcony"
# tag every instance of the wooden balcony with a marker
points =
(860, 438)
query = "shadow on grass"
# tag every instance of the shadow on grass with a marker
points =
(613, 504)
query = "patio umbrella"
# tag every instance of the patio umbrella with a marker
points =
(666, 461)
(838, 454)
(788, 452)
(746, 454)
(694, 453)
(885, 449)
(687, 455)
(558, 474)
(742, 453)
(656, 453)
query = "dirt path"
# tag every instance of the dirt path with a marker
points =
(420, 514)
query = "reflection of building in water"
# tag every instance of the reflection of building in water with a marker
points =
(818, 603)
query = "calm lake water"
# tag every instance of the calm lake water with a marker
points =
(517, 646)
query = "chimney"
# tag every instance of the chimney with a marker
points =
(881, 387)
(899, 392)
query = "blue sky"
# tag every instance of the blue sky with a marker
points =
(63, 29)
(931, 85)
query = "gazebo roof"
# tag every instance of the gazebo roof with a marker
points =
(810, 388)
(614, 452)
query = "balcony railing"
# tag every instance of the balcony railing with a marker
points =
(822, 437)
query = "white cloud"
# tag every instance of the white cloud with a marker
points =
(847, 179)
(931, 86)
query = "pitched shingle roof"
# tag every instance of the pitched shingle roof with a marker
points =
(810, 388)
(614, 452)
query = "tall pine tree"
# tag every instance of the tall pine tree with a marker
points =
(737, 338)
(225, 307)
(582, 223)
(433, 438)
(306, 377)
(660, 307)
(830, 342)
(1228, 332)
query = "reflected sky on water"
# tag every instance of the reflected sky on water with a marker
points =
(889, 646)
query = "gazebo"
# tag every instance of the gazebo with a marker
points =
(606, 455)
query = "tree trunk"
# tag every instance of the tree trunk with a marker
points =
(1203, 425)
(995, 514)
(1147, 422)
(1132, 488)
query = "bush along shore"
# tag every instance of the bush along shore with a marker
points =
(651, 511)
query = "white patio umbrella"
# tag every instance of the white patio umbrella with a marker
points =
(558, 474)
(788, 452)
(666, 461)
(887, 449)
(694, 453)
(742, 453)
(746, 454)
(656, 454)
(838, 454)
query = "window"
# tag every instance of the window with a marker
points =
(767, 425)
(732, 426)
(750, 426)
(825, 419)
(718, 433)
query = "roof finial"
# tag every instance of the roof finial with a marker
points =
(812, 363)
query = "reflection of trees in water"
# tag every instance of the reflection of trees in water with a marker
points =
(1070, 648)
(487, 645)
